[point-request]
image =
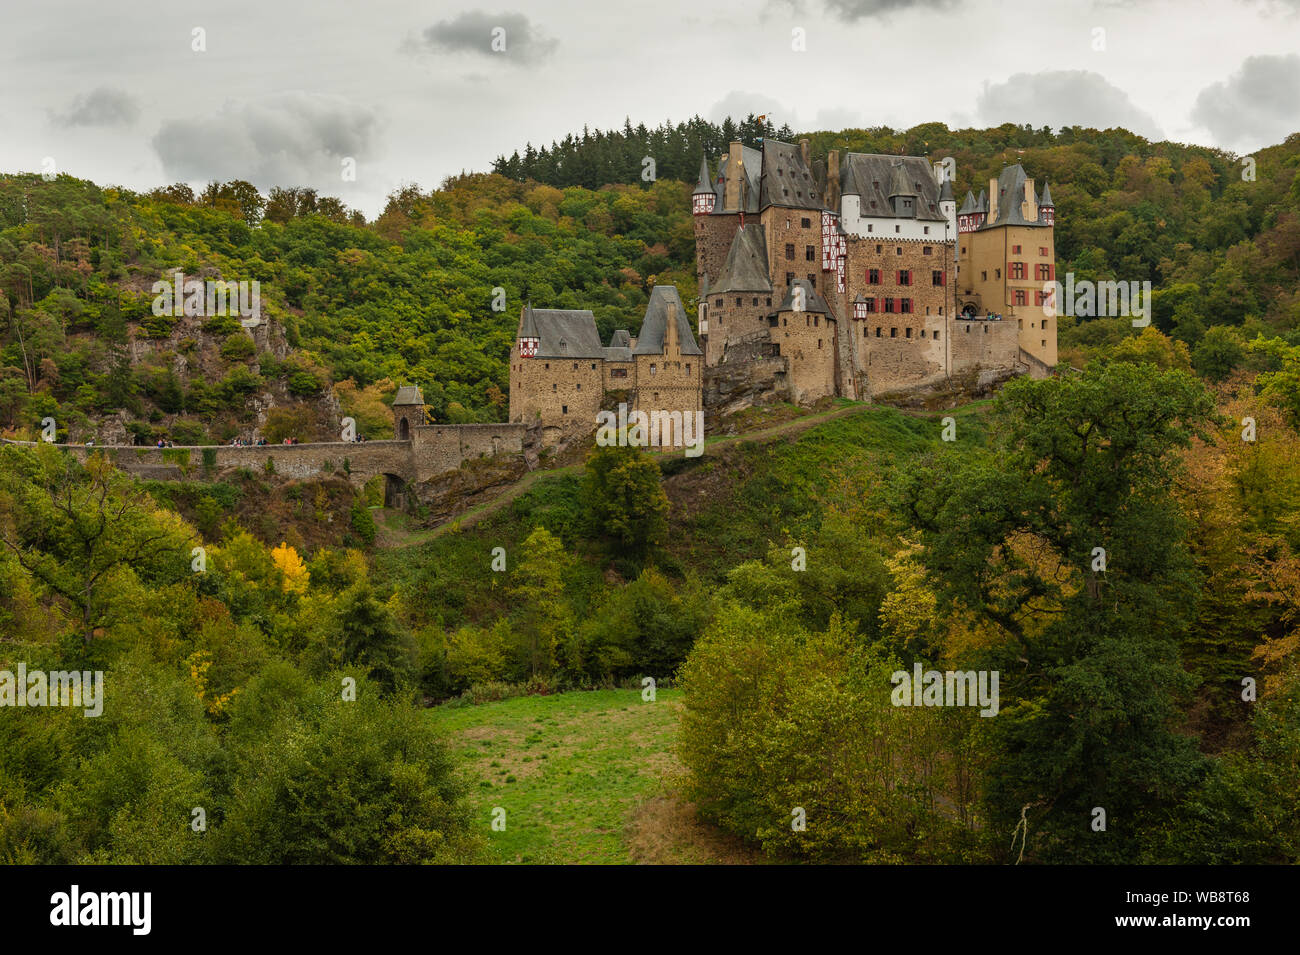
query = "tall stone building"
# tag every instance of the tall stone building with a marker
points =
(869, 248)
(561, 376)
(1007, 258)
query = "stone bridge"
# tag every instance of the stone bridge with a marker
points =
(432, 450)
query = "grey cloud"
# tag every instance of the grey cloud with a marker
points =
(738, 104)
(1059, 98)
(103, 106)
(1256, 106)
(473, 32)
(287, 139)
(854, 10)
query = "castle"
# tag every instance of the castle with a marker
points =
(561, 376)
(854, 277)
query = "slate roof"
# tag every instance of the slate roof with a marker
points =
(620, 346)
(650, 341)
(787, 180)
(705, 184)
(812, 301)
(408, 395)
(1046, 199)
(562, 333)
(746, 267)
(873, 177)
(1011, 192)
(969, 205)
(945, 191)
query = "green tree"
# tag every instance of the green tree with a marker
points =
(623, 495)
(1089, 648)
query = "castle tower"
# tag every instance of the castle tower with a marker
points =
(948, 206)
(1046, 210)
(703, 199)
(408, 411)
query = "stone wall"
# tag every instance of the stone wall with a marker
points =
(434, 450)
(713, 238)
(992, 347)
(809, 345)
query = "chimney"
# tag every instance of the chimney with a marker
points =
(993, 201)
(735, 173)
(671, 339)
(833, 180)
(1029, 206)
(803, 150)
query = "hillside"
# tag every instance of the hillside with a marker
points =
(353, 308)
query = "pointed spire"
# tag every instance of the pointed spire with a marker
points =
(705, 185)
(1046, 200)
(945, 191)
(969, 205)
(982, 204)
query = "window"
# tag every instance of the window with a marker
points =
(575, 366)
(812, 280)
(805, 222)
(819, 343)
(873, 276)
(547, 366)
(739, 300)
(1043, 343)
(925, 249)
(789, 251)
(984, 276)
(870, 227)
(1020, 296)
(893, 333)
(593, 366)
(810, 253)
(889, 305)
(618, 373)
(718, 303)
(769, 300)
(789, 278)
(1044, 273)
(905, 305)
(877, 331)
(688, 368)
(907, 333)
(564, 409)
(1015, 250)
(1040, 297)
(997, 273)
(579, 386)
(652, 368)
(927, 228)
(554, 387)
(936, 336)
(877, 248)
(755, 299)
(904, 276)
(1042, 250)
(870, 304)
(899, 250)
(1016, 270)
(936, 277)
(898, 228)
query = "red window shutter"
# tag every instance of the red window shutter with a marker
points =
(943, 277)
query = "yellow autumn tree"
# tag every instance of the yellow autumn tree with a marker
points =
(296, 576)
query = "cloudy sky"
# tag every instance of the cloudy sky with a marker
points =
(285, 92)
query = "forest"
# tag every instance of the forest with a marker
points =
(272, 649)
